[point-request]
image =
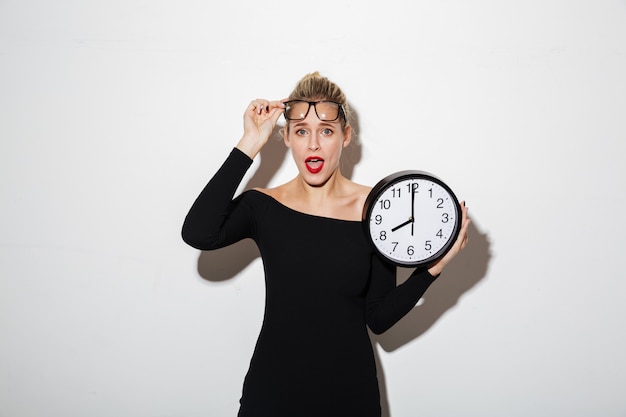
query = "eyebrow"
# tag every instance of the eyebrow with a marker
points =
(322, 123)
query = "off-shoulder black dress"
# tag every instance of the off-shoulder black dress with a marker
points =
(324, 285)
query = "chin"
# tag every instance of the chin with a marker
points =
(316, 180)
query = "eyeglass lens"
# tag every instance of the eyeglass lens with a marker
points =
(326, 111)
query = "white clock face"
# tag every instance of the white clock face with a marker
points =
(413, 220)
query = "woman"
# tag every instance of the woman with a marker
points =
(324, 284)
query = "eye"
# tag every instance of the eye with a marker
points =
(327, 132)
(301, 132)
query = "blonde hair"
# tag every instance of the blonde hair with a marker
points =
(313, 87)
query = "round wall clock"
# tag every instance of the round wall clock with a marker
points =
(412, 218)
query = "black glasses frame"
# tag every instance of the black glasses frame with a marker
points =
(340, 109)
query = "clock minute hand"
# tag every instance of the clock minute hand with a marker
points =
(412, 207)
(403, 224)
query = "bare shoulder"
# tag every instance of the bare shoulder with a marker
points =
(354, 199)
(345, 203)
(360, 192)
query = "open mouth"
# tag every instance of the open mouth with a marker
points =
(314, 164)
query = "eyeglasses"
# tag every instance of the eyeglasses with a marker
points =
(326, 111)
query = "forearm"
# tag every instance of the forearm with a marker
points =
(207, 215)
(388, 303)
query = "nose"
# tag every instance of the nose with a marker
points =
(314, 143)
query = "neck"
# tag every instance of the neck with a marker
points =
(332, 187)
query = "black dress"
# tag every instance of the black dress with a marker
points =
(324, 284)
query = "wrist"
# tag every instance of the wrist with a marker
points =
(250, 147)
(436, 269)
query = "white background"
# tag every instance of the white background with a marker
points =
(114, 114)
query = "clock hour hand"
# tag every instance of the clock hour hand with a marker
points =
(403, 224)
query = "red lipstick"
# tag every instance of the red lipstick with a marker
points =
(314, 164)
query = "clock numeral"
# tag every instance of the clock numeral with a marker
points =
(445, 218)
(395, 245)
(396, 192)
(440, 233)
(410, 251)
(413, 187)
(440, 203)
(431, 193)
(383, 235)
(428, 245)
(385, 204)
(378, 219)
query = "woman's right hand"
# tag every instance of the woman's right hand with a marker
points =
(259, 121)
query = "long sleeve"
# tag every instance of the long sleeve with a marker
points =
(388, 303)
(215, 220)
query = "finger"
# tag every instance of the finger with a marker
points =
(464, 208)
(273, 108)
(275, 114)
(259, 106)
(464, 236)
(280, 104)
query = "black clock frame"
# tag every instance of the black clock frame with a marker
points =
(391, 180)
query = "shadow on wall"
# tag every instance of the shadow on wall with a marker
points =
(463, 273)
(467, 269)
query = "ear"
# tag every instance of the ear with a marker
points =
(347, 135)
(286, 136)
